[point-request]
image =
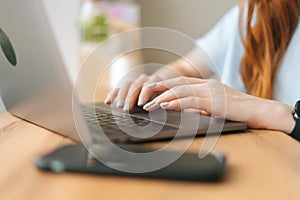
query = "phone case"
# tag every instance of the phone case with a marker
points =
(189, 167)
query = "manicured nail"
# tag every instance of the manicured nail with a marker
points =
(148, 105)
(164, 104)
(140, 102)
(120, 103)
(126, 107)
(151, 85)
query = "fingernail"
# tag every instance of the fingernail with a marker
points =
(164, 104)
(140, 102)
(126, 107)
(148, 105)
(106, 101)
(120, 103)
(151, 85)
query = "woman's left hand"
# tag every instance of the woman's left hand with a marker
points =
(217, 99)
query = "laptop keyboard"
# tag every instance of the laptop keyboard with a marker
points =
(113, 125)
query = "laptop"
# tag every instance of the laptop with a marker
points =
(35, 86)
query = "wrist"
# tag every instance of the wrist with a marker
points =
(271, 115)
(279, 116)
(285, 114)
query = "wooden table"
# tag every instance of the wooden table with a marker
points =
(261, 165)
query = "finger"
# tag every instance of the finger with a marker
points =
(147, 92)
(202, 112)
(197, 103)
(170, 95)
(210, 89)
(171, 83)
(195, 111)
(133, 92)
(122, 94)
(111, 96)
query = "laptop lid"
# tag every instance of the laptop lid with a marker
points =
(34, 84)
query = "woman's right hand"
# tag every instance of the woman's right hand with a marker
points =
(133, 92)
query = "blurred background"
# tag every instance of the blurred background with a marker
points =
(75, 34)
(192, 17)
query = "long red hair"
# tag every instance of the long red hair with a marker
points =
(265, 39)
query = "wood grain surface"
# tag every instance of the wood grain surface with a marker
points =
(260, 165)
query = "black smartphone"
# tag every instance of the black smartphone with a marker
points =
(189, 167)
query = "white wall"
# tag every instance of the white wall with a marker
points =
(192, 17)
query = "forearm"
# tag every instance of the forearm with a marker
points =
(191, 65)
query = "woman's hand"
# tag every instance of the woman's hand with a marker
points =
(214, 98)
(132, 92)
